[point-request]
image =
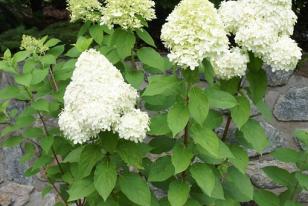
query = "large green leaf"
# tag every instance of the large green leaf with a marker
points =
(97, 33)
(24, 79)
(159, 125)
(124, 42)
(255, 135)
(162, 85)
(105, 178)
(302, 180)
(90, 155)
(178, 117)
(146, 37)
(279, 175)
(178, 193)
(238, 185)
(220, 99)
(204, 177)
(241, 113)
(265, 198)
(80, 188)
(207, 139)
(240, 160)
(198, 105)
(83, 43)
(131, 153)
(181, 157)
(288, 155)
(135, 189)
(151, 58)
(302, 135)
(257, 84)
(73, 156)
(161, 170)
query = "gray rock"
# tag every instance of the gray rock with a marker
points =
(10, 167)
(277, 78)
(303, 197)
(15, 193)
(259, 178)
(292, 106)
(37, 199)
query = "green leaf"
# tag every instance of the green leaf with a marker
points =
(192, 202)
(240, 160)
(52, 42)
(257, 84)
(29, 151)
(124, 41)
(279, 175)
(48, 59)
(12, 141)
(9, 92)
(161, 144)
(206, 138)
(46, 143)
(198, 105)
(151, 58)
(204, 177)
(80, 189)
(241, 113)
(288, 155)
(90, 155)
(7, 54)
(146, 37)
(161, 170)
(302, 135)
(162, 85)
(255, 135)
(238, 185)
(131, 153)
(41, 162)
(20, 56)
(181, 157)
(97, 33)
(105, 178)
(178, 193)
(135, 78)
(265, 110)
(159, 125)
(41, 105)
(220, 99)
(141, 194)
(178, 117)
(38, 75)
(83, 43)
(73, 156)
(302, 180)
(265, 198)
(73, 52)
(24, 79)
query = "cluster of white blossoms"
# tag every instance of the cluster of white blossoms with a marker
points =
(231, 63)
(193, 32)
(98, 99)
(89, 10)
(33, 45)
(127, 13)
(264, 28)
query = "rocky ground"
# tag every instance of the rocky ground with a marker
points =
(287, 97)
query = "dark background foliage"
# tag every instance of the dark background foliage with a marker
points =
(49, 17)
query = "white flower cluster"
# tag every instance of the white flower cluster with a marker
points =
(33, 45)
(193, 32)
(127, 13)
(89, 10)
(264, 28)
(231, 63)
(98, 99)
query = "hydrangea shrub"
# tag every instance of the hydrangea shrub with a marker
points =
(110, 121)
